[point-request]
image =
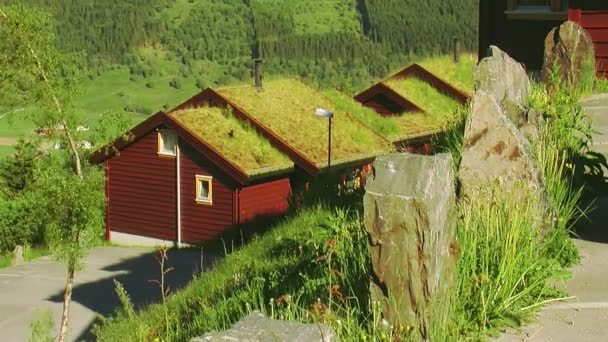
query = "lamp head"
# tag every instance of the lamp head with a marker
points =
(324, 113)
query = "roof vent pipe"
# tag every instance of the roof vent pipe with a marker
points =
(258, 73)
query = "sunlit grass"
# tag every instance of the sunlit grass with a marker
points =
(459, 75)
(424, 95)
(287, 107)
(234, 139)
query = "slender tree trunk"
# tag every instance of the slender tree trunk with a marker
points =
(67, 298)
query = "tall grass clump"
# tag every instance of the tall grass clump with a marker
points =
(506, 258)
(502, 271)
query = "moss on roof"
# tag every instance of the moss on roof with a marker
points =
(287, 108)
(459, 75)
(238, 142)
(423, 95)
(393, 128)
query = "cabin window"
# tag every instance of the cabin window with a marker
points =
(537, 9)
(204, 189)
(167, 143)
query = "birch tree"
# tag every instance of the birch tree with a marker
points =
(34, 74)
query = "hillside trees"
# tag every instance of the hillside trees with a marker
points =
(37, 74)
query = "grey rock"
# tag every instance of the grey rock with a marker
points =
(506, 79)
(571, 48)
(495, 152)
(409, 214)
(257, 328)
(18, 255)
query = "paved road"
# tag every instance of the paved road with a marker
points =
(39, 284)
(7, 141)
(584, 318)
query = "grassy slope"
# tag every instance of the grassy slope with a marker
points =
(213, 126)
(423, 95)
(392, 128)
(287, 107)
(5, 151)
(459, 75)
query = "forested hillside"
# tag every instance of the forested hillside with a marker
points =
(177, 46)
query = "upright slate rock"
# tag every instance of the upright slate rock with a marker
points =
(257, 328)
(506, 79)
(571, 48)
(495, 152)
(409, 215)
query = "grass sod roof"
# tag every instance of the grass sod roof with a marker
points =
(423, 95)
(287, 108)
(244, 147)
(459, 75)
(393, 128)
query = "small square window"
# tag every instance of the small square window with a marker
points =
(167, 143)
(204, 189)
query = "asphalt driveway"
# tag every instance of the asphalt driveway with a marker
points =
(27, 288)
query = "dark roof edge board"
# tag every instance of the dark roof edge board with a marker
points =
(422, 137)
(213, 98)
(160, 118)
(380, 88)
(416, 70)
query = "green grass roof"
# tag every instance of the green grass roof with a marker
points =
(392, 128)
(423, 95)
(287, 108)
(459, 75)
(245, 147)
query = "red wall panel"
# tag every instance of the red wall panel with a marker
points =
(142, 191)
(264, 200)
(202, 222)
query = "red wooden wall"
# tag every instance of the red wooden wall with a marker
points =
(142, 191)
(264, 200)
(201, 222)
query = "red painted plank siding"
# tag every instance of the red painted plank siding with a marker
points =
(601, 49)
(201, 222)
(594, 19)
(141, 191)
(264, 200)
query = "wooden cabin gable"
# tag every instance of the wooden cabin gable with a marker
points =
(141, 191)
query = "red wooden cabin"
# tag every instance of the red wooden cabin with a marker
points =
(190, 174)
(165, 184)
(519, 27)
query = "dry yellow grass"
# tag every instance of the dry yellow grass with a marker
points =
(234, 139)
(287, 108)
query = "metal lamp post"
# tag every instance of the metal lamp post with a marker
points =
(324, 113)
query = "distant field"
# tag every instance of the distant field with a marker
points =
(5, 150)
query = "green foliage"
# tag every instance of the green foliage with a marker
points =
(453, 138)
(41, 327)
(601, 85)
(72, 231)
(17, 170)
(400, 25)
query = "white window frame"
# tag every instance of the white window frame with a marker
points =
(162, 134)
(209, 180)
